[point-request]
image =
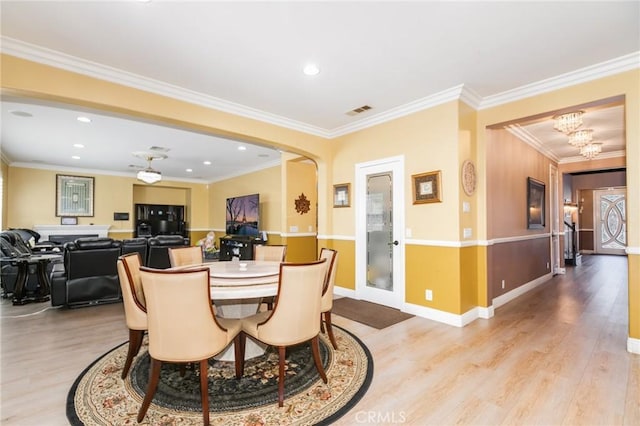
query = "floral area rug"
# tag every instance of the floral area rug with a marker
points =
(100, 397)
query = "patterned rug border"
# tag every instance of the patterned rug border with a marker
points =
(73, 418)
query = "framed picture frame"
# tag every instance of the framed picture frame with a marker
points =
(68, 220)
(74, 196)
(535, 204)
(341, 195)
(427, 187)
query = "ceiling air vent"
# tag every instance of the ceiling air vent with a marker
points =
(359, 110)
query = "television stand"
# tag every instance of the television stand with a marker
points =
(240, 246)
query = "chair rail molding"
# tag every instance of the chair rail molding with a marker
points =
(46, 230)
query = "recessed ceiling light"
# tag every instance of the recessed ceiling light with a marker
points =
(206, 163)
(78, 145)
(75, 157)
(189, 170)
(21, 113)
(84, 119)
(242, 148)
(311, 69)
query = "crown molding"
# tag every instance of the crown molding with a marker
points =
(61, 60)
(461, 92)
(582, 75)
(601, 156)
(526, 136)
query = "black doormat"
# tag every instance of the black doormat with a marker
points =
(371, 314)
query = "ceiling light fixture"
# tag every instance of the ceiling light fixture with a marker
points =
(311, 69)
(569, 122)
(580, 138)
(84, 119)
(149, 175)
(591, 150)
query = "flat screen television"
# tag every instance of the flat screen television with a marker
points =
(243, 215)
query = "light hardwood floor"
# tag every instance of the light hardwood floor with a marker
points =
(555, 356)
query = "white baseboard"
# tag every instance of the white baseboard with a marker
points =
(442, 316)
(516, 292)
(633, 345)
(344, 292)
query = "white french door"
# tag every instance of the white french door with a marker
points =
(379, 231)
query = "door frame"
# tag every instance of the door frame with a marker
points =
(362, 170)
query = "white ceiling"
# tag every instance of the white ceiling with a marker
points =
(247, 57)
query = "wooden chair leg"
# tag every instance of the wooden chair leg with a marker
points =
(242, 340)
(154, 378)
(282, 351)
(204, 390)
(316, 358)
(238, 344)
(321, 323)
(135, 342)
(327, 319)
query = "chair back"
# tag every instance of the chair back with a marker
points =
(327, 290)
(294, 318)
(184, 256)
(275, 253)
(158, 253)
(180, 319)
(135, 310)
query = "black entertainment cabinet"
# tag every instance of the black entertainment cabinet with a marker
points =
(159, 219)
(239, 246)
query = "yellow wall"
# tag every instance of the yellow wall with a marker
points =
(266, 182)
(31, 200)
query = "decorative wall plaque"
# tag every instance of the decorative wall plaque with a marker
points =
(468, 177)
(303, 205)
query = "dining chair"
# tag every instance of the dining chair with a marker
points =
(184, 256)
(135, 310)
(327, 292)
(274, 253)
(294, 318)
(183, 328)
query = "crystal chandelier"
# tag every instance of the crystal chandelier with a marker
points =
(569, 122)
(580, 138)
(591, 150)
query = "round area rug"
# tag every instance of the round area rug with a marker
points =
(100, 397)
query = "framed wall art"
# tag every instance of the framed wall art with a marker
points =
(535, 203)
(341, 195)
(74, 195)
(427, 187)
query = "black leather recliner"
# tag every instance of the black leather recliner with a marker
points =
(90, 274)
(139, 245)
(158, 249)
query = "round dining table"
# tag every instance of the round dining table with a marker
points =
(237, 289)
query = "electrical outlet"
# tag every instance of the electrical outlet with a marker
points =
(293, 228)
(428, 294)
(467, 232)
(466, 207)
(547, 265)
(502, 283)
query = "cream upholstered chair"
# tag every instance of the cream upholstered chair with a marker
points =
(294, 318)
(135, 311)
(184, 256)
(183, 328)
(274, 253)
(327, 291)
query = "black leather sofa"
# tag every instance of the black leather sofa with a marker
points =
(90, 274)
